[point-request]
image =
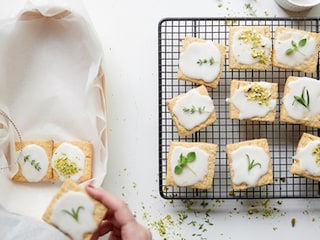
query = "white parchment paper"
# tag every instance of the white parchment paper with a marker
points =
(52, 87)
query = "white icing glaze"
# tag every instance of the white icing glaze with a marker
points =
(85, 222)
(307, 160)
(34, 162)
(199, 166)
(192, 54)
(294, 109)
(283, 42)
(74, 154)
(248, 109)
(240, 165)
(193, 99)
(242, 51)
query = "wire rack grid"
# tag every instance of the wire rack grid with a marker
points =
(282, 137)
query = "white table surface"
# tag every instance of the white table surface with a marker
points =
(128, 32)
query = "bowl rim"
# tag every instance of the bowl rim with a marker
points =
(314, 3)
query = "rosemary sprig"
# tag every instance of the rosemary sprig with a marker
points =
(183, 162)
(74, 213)
(251, 163)
(33, 162)
(203, 61)
(302, 100)
(193, 110)
(296, 46)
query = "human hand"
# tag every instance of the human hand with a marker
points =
(119, 220)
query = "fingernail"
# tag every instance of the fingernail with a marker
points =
(90, 186)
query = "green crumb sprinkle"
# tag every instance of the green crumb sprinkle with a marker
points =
(258, 48)
(293, 222)
(66, 167)
(316, 152)
(259, 93)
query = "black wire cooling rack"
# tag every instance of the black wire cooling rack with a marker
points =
(282, 137)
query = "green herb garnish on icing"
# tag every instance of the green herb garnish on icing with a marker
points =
(204, 61)
(183, 162)
(296, 46)
(74, 213)
(33, 162)
(316, 151)
(251, 163)
(193, 110)
(303, 99)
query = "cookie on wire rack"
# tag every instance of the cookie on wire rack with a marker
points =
(250, 47)
(255, 101)
(192, 111)
(296, 50)
(201, 61)
(191, 164)
(300, 102)
(306, 161)
(249, 164)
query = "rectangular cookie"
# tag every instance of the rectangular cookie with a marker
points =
(71, 208)
(198, 171)
(249, 164)
(34, 161)
(72, 160)
(250, 47)
(296, 50)
(201, 61)
(299, 102)
(255, 101)
(184, 108)
(306, 152)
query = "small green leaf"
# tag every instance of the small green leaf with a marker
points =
(302, 100)
(289, 51)
(183, 162)
(294, 44)
(178, 169)
(302, 42)
(191, 156)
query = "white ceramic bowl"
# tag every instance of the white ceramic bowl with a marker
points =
(297, 5)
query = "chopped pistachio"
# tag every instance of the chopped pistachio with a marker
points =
(256, 92)
(251, 37)
(316, 151)
(65, 166)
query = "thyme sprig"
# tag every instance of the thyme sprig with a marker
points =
(204, 61)
(74, 213)
(183, 162)
(296, 46)
(194, 109)
(251, 163)
(303, 99)
(33, 162)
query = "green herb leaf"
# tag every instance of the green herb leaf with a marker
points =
(289, 51)
(203, 61)
(296, 47)
(32, 162)
(251, 163)
(302, 42)
(183, 162)
(302, 100)
(191, 156)
(194, 109)
(74, 213)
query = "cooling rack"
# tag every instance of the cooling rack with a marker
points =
(282, 137)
